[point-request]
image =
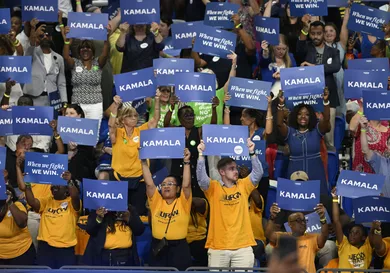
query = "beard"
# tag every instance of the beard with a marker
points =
(46, 44)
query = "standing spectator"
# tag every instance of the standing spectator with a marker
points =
(22, 35)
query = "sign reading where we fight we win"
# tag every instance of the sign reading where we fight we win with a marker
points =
(17, 68)
(45, 168)
(225, 140)
(355, 184)
(215, 42)
(140, 12)
(135, 85)
(314, 100)
(184, 33)
(298, 196)
(371, 208)
(220, 14)
(88, 26)
(306, 80)
(368, 20)
(166, 68)
(5, 21)
(162, 143)
(267, 29)
(32, 120)
(249, 93)
(195, 87)
(376, 105)
(299, 8)
(111, 195)
(78, 130)
(43, 10)
(313, 223)
(357, 80)
(6, 122)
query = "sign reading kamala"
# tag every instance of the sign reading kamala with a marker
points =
(305, 80)
(215, 42)
(249, 93)
(195, 87)
(371, 208)
(45, 168)
(357, 80)
(162, 143)
(28, 120)
(6, 128)
(183, 33)
(17, 68)
(140, 12)
(298, 196)
(166, 68)
(368, 20)
(355, 184)
(78, 130)
(313, 7)
(245, 160)
(169, 49)
(376, 105)
(313, 223)
(375, 64)
(316, 101)
(111, 195)
(220, 14)
(3, 153)
(43, 10)
(5, 21)
(267, 29)
(88, 26)
(135, 85)
(225, 140)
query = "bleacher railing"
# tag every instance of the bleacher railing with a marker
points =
(131, 268)
(25, 267)
(350, 270)
(230, 269)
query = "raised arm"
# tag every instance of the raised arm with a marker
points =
(250, 46)
(324, 124)
(187, 173)
(150, 187)
(363, 138)
(268, 8)
(257, 169)
(66, 51)
(57, 138)
(152, 123)
(344, 29)
(270, 229)
(354, 123)
(214, 114)
(112, 120)
(105, 53)
(7, 93)
(283, 129)
(155, 29)
(233, 70)
(121, 42)
(269, 124)
(336, 218)
(201, 173)
(375, 238)
(73, 190)
(19, 216)
(31, 200)
(321, 240)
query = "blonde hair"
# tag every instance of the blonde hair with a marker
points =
(124, 112)
(286, 58)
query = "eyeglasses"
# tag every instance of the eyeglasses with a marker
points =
(168, 184)
(189, 115)
(300, 221)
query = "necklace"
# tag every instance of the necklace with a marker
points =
(302, 132)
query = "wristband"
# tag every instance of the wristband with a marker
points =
(98, 221)
(326, 103)
(304, 32)
(186, 162)
(281, 105)
(335, 201)
(57, 137)
(377, 232)
(360, 113)
(252, 154)
(16, 43)
(387, 39)
(78, 3)
(268, 118)
(6, 95)
(156, 33)
(65, 105)
(112, 115)
(67, 42)
(170, 108)
(323, 221)
(200, 154)
(61, 25)
(363, 130)
(28, 185)
(239, 25)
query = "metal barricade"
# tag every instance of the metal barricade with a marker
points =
(25, 267)
(109, 268)
(351, 270)
(230, 269)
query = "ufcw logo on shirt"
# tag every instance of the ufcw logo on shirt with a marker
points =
(166, 215)
(229, 197)
(57, 211)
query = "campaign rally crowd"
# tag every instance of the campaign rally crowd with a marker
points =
(179, 133)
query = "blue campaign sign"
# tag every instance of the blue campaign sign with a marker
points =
(368, 20)
(166, 69)
(316, 101)
(313, 223)
(112, 9)
(371, 208)
(55, 100)
(140, 12)
(219, 14)
(28, 120)
(82, 131)
(3, 154)
(356, 184)
(299, 8)
(305, 80)
(159, 176)
(245, 160)
(45, 168)
(267, 29)
(225, 140)
(195, 87)
(298, 196)
(249, 93)
(169, 49)
(374, 64)
(135, 85)
(43, 10)
(357, 80)
(17, 68)
(88, 26)
(337, 3)
(162, 143)
(3, 190)
(183, 33)
(215, 42)
(5, 21)
(6, 128)
(376, 105)
(111, 195)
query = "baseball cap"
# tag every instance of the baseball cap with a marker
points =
(299, 176)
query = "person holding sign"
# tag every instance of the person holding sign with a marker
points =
(57, 230)
(230, 238)
(170, 214)
(381, 245)
(303, 135)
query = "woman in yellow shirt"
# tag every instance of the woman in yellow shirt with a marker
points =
(15, 240)
(125, 139)
(170, 213)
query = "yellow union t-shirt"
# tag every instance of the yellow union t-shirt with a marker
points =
(58, 222)
(230, 225)
(120, 239)
(256, 216)
(161, 211)
(353, 257)
(197, 226)
(14, 241)
(386, 262)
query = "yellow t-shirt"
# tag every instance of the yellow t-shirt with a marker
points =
(116, 57)
(82, 236)
(230, 226)
(197, 226)
(256, 216)
(353, 257)
(307, 249)
(386, 262)
(125, 156)
(58, 222)
(120, 239)
(14, 241)
(160, 212)
(40, 191)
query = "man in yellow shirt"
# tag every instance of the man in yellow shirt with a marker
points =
(230, 238)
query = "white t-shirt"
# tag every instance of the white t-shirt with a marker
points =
(24, 41)
(65, 6)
